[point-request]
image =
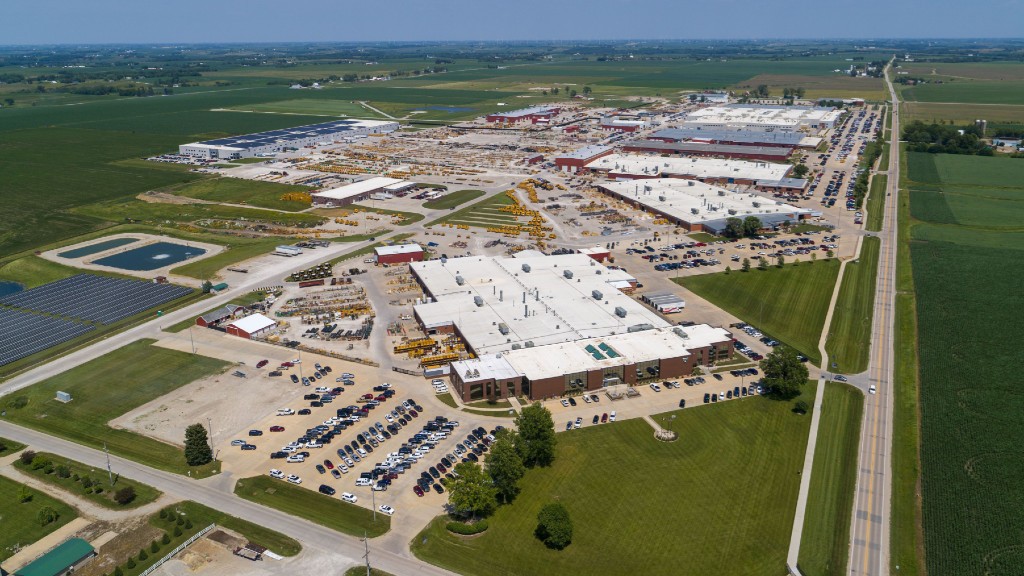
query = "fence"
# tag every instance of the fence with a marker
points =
(180, 547)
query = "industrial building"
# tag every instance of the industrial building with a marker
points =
(547, 325)
(697, 206)
(534, 114)
(215, 317)
(577, 159)
(713, 170)
(770, 153)
(765, 117)
(616, 124)
(597, 253)
(274, 141)
(398, 254)
(736, 137)
(252, 326)
(359, 191)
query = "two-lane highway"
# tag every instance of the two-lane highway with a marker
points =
(869, 536)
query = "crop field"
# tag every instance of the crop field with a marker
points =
(849, 341)
(728, 486)
(238, 191)
(966, 70)
(820, 86)
(312, 107)
(108, 387)
(959, 113)
(967, 91)
(824, 549)
(483, 214)
(970, 456)
(307, 503)
(795, 314)
(20, 519)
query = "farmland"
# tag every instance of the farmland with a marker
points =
(966, 232)
(312, 107)
(962, 114)
(796, 313)
(738, 480)
(100, 396)
(826, 536)
(970, 92)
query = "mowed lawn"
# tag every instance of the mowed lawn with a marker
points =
(453, 199)
(238, 191)
(307, 503)
(108, 387)
(824, 549)
(849, 340)
(19, 522)
(482, 214)
(788, 303)
(720, 500)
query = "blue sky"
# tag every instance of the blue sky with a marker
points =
(148, 21)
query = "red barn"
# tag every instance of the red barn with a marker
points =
(398, 254)
(252, 326)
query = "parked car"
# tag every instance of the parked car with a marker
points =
(386, 509)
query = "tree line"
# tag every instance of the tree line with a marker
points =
(945, 139)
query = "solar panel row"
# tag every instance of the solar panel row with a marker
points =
(95, 298)
(25, 333)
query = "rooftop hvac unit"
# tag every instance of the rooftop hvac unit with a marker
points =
(444, 259)
(597, 295)
(529, 344)
(690, 183)
(479, 301)
(567, 274)
(648, 188)
(661, 198)
(517, 346)
(721, 192)
(680, 332)
(526, 267)
(756, 204)
(620, 311)
(639, 328)
(460, 280)
(695, 210)
(732, 211)
(503, 328)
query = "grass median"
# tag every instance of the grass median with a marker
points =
(824, 549)
(203, 516)
(86, 481)
(107, 387)
(10, 447)
(306, 503)
(453, 199)
(789, 303)
(728, 485)
(849, 338)
(876, 202)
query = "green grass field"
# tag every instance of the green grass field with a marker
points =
(158, 213)
(8, 446)
(963, 235)
(481, 214)
(876, 202)
(453, 199)
(32, 271)
(406, 217)
(824, 549)
(361, 571)
(238, 191)
(21, 526)
(108, 387)
(143, 494)
(312, 107)
(311, 505)
(849, 340)
(962, 113)
(969, 92)
(728, 485)
(794, 313)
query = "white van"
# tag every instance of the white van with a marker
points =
(285, 411)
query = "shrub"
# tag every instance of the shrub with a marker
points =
(166, 539)
(143, 555)
(19, 402)
(554, 527)
(177, 531)
(27, 457)
(188, 524)
(163, 514)
(49, 468)
(467, 529)
(47, 515)
(118, 571)
(124, 495)
(180, 521)
(97, 489)
(86, 482)
(154, 547)
(39, 463)
(63, 471)
(76, 477)
(130, 563)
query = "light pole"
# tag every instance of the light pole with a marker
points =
(190, 339)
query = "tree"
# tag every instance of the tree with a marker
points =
(814, 256)
(47, 515)
(130, 563)
(829, 253)
(746, 265)
(27, 457)
(505, 466)
(165, 539)
(472, 493)
(572, 93)
(536, 444)
(728, 269)
(780, 261)
(154, 547)
(197, 446)
(762, 263)
(177, 531)
(784, 373)
(63, 471)
(586, 90)
(118, 571)
(733, 227)
(554, 527)
(751, 225)
(800, 170)
(143, 554)
(24, 495)
(125, 495)
(207, 286)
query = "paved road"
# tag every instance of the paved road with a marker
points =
(869, 536)
(211, 493)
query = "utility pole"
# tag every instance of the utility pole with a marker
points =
(110, 474)
(190, 339)
(366, 543)
(209, 430)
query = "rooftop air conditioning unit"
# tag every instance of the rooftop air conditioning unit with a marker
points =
(526, 267)
(597, 295)
(567, 274)
(756, 204)
(479, 301)
(620, 311)
(695, 210)
(460, 280)
(732, 211)
(721, 192)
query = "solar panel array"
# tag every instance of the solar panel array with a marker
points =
(95, 298)
(25, 333)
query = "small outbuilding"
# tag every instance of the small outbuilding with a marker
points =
(398, 254)
(61, 560)
(252, 326)
(219, 315)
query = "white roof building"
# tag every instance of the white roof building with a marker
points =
(764, 117)
(410, 248)
(251, 325)
(355, 191)
(700, 168)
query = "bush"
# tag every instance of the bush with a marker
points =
(467, 529)
(154, 547)
(166, 539)
(124, 495)
(76, 477)
(143, 555)
(97, 489)
(188, 524)
(130, 563)
(39, 463)
(49, 468)
(554, 527)
(177, 531)
(27, 457)
(118, 571)
(86, 482)
(19, 402)
(163, 514)
(63, 471)
(180, 521)
(47, 515)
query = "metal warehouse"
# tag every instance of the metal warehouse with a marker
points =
(697, 206)
(533, 114)
(358, 191)
(635, 166)
(274, 141)
(577, 159)
(772, 153)
(736, 137)
(762, 117)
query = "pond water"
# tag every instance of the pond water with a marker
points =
(96, 248)
(152, 256)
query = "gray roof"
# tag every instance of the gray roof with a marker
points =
(710, 149)
(586, 152)
(784, 183)
(220, 313)
(725, 135)
(285, 135)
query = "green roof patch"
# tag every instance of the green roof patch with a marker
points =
(58, 560)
